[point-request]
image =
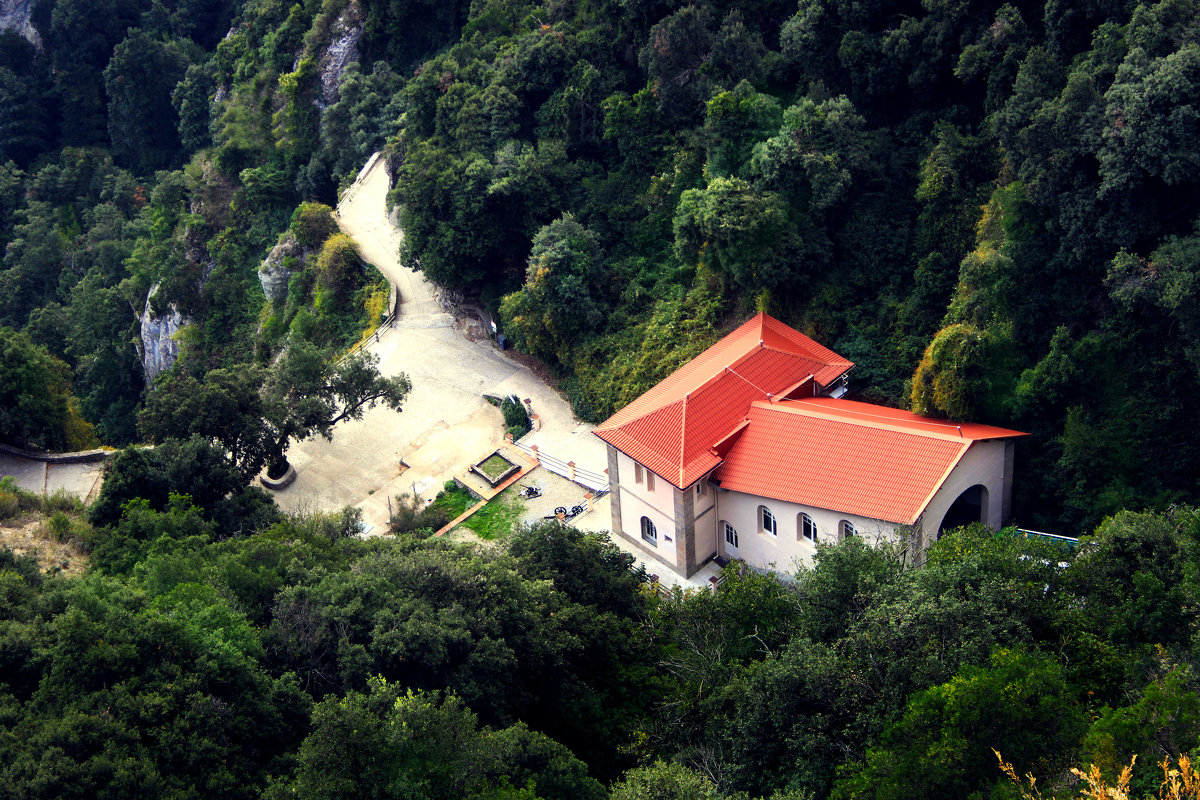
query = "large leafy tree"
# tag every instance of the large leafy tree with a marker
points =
(26, 113)
(391, 743)
(738, 231)
(139, 81)
(561, 299)
(37, 406)
(941, 746)
(257, 413)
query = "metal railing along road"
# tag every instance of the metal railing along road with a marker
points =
(1069, 541)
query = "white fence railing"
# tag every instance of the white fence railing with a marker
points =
(596, 481)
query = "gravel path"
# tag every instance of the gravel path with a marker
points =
(556, 491)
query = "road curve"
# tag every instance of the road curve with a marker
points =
(445, 425)
(362, 213)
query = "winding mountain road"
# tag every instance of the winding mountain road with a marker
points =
(446, 425)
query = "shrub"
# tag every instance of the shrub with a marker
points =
(14, 499)
(312, 224)
(516, 419)
(62, 500)
(412, 515)
(59, 526)
(337, 265)
(10, 505)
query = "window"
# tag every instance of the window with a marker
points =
(730, 535)
(700, 488)
(650, 480)
(649, 532)
(846, 529)
(807, 528)
(767, 520)
(637, 472)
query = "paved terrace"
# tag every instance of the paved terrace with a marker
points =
(77, 474)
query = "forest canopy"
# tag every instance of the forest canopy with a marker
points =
(992, 209)
(215, 645)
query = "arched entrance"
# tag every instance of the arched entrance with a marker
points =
(971, 506)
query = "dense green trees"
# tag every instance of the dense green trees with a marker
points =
(37, 407)
(991, 208)
(255, 414)
(192, 642)
(215, 643)
(139, 82)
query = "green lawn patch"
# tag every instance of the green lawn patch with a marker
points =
(498, 517)
(454, 500)
(494, 467)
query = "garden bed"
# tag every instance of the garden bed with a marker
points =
(495, 469)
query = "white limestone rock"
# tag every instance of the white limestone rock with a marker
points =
(342, 51)
(14, 16)
(159, 346)
(273, 273)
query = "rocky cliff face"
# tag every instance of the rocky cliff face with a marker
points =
(274, 273)
(159, 347)
(342, 51)
(14, 16)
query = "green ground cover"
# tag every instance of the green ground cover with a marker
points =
(498, 518)
(454, 500)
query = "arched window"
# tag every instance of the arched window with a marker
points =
(807, 528)
(766, 520)
(846, 529)
(731, 537)
(649, 532)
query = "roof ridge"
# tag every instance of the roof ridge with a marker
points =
(683, 435)
(810, 356)
(883, 422)
(601, 427)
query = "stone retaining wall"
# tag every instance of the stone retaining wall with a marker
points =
(80, 457)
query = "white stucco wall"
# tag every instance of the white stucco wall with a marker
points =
(638, 501)
(788, 549)
(983, 463)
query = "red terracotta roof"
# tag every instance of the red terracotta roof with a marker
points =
(672, 428)
(851, 457)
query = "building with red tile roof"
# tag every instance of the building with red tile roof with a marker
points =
(749, 451)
